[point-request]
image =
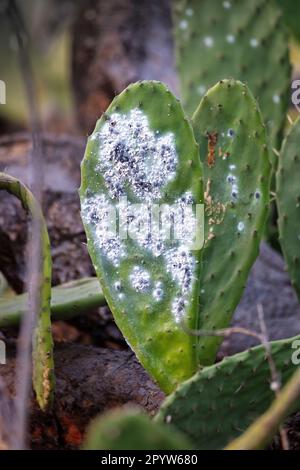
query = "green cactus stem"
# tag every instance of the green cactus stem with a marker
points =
(288, 203)
(67, 301)
(127, 429)
(221, 401)
(143, 150)
(43, 366)
(232, 143)
(242, 39)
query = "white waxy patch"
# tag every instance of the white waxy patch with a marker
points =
(181, 266)
(241, 227)
(276, 99)
(130, 152)
(254, 42)
(98, 212)
(178, 308)
(140, 279)
(208, 41)
(230, 38)
(183, 25)
(227, 5)
(158, 292)
(232, 167)
(134, 157)
(201, 90)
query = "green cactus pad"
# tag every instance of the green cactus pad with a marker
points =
(143, 150)
(240, 39)
(232, 144)
(67, 301)
(43, 365)
(291, 13)
(288, 202)
(130, 429)
(221, 401)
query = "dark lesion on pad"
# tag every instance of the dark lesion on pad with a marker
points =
(211, 147)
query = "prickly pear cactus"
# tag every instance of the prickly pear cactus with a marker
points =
(288, 202)
(142, 154)
(232, 143)
(130, 429)
(243, 39)
(221, 401)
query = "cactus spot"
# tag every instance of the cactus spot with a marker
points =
(257, 194)
(140, 279)
(117, 286)
(254, 42)
(130, 152)
(234, 192)
(208, 41)
(241, 227)
(201, 90)
(276, 99)
(230, 133)
(158, 292)
(183, 25)
(211, 147)
(230, 38)
(231, 179)
(227, 5)
(189, 12)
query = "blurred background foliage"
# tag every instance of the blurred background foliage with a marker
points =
(50, 38)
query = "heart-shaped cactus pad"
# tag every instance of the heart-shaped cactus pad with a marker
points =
(141, 205)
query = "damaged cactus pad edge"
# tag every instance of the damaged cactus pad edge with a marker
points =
(143, 151)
